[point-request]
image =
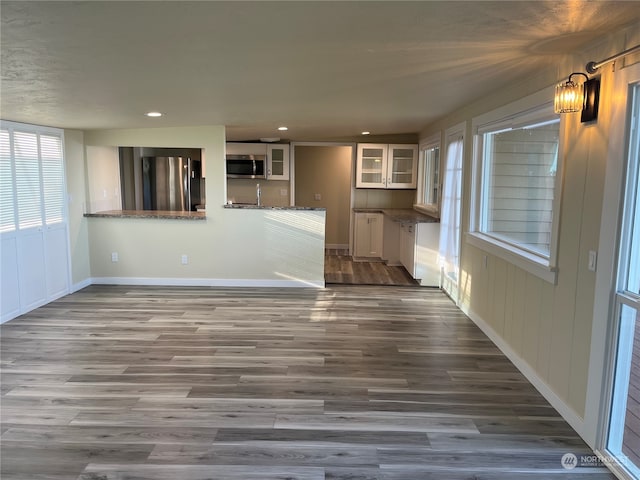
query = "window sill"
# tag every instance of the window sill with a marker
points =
(529, 262)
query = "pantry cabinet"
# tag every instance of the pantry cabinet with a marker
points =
(386, 166)
(368, 235)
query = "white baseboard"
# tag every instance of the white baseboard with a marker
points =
(80, 285)
(572, 418)
(9, 316)
(24, 310)
(207, 282)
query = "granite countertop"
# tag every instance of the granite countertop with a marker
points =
(400, 215)
(244, 206)
(157, 214)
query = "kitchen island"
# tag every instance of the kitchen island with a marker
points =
(232, 246)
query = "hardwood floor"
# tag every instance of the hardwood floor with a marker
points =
(340, 268)
(367, 383)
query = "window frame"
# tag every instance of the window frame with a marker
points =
(429, 143)
(529, 111)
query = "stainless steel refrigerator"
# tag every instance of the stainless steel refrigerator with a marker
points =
(172, 183)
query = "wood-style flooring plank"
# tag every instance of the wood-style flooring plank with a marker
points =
(343, 383)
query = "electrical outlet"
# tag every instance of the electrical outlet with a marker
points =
(283, 192)
(185, 260)
(114, 257)
(317, 196)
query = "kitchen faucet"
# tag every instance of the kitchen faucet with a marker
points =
(258, 193)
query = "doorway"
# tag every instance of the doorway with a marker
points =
(451, 211)
(623, 436)
(323, 177)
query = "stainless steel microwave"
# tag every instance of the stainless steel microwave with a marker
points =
(246, 166)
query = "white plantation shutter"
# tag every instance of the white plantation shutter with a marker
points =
(25, 147)
(52, 178)
(7, 203)
(38, 186)
(35, 260)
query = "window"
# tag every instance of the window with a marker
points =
(7, 210)
(430, 182)
(32, 178)
(519, 168)
(515, 187)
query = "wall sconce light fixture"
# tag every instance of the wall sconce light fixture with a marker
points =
(578, 97)
(573, 97)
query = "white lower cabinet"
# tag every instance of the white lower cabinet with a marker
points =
(408, 247)
(412, 245)
(419, 252)
(368, 235)
(427, 242)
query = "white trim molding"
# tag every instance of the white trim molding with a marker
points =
(601, 361)
(535, 109)
(207, 282)
(528, 262)
(87, 282)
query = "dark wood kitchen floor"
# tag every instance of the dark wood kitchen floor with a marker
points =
(347, 382)
(339, 268)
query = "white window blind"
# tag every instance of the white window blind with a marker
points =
(52, 178)
(25, 147)
(31, 179)
(7, 203)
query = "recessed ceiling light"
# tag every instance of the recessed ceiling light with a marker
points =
(153, 114)
(366, 133)
(283, 129)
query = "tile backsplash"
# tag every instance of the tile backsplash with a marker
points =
(241, 190)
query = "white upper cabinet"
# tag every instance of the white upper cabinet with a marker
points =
(277, 162)
(371, 167)
(386, 166)
(402, 166)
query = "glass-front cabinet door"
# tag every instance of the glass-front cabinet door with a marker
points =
(371, 168)
(402, 166)
(278, 162)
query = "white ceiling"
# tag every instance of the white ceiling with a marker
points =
(325, 69)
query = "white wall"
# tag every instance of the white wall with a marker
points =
(78, 224)
(230, 247)
(546, 328)
(103, 174)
